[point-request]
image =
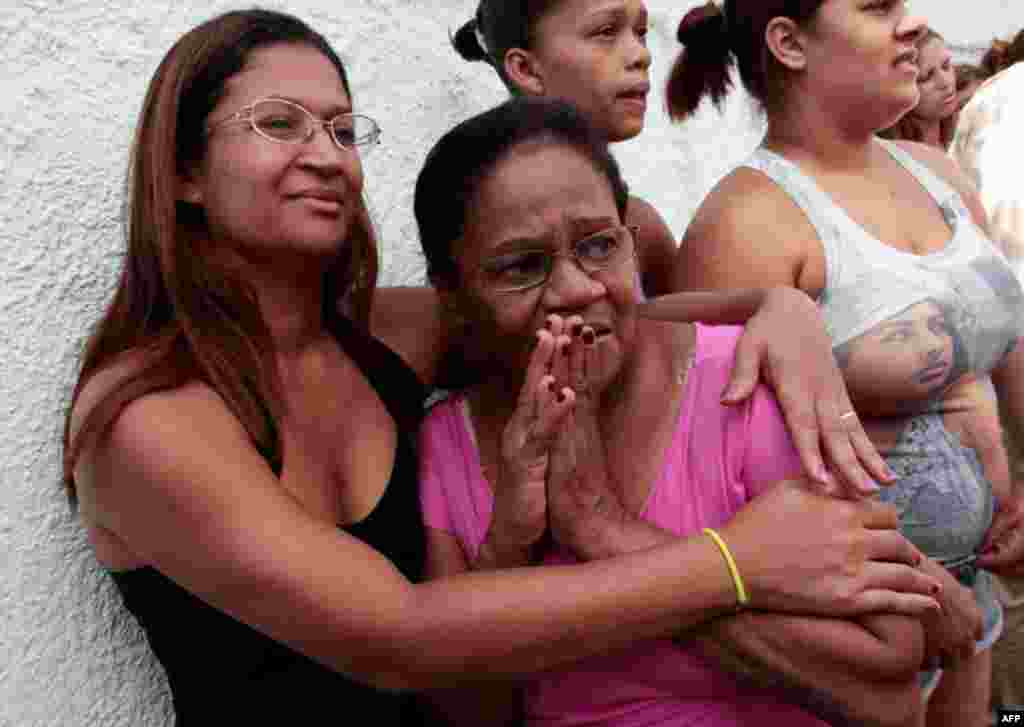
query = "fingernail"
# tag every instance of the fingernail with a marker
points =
(577, 329)
(565, 350)
(889, 473)
(548, 324)
(589, 337)
(821, 474)
(869, 485)
(551, 387)
(561, 397)
(936, 589)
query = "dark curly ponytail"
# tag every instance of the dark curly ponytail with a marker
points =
(498, 27)
(717, 38)
(702, 69)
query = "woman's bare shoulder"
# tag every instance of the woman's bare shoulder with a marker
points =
(149, 432)
(101, 384)
(747, 232)
(746, 198)
(194, 406)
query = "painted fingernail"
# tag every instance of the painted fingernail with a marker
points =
(577, 329)
(565, 350)
(824, 476)
(551, 387)
(589, 337)
(936, 589)
(548, 324)
(869, 485)
(561, 397)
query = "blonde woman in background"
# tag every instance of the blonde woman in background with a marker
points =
(933, 120)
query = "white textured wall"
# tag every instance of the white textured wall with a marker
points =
(72, 79)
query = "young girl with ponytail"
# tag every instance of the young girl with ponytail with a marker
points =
(594, 55)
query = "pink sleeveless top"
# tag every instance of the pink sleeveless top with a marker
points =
(718, 459)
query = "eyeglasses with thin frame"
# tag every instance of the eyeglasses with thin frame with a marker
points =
(286, 122)
(523, 270)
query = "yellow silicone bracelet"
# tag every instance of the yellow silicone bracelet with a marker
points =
(742, 598)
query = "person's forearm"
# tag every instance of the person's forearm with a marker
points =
(722, 307)
(532, 619)
(829, 666)
(876, 647)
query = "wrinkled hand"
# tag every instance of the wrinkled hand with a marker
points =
(950, 634)
(787, 345)
(1003, 550)
(583, 505)
(519, 519)
(801, 551)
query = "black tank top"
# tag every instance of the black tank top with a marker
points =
(221, 671)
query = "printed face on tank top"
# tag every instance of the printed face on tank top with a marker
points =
(911, 339)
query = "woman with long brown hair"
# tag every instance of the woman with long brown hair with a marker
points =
(933, 119)
(240, 443)
(889, 238)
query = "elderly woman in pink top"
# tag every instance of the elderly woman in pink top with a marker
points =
(631, 446)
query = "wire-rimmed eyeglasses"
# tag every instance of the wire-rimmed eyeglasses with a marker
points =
(287, 122)
(522, 270)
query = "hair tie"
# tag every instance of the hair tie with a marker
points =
(480, 39)
(703, 23)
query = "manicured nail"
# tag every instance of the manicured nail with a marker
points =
(565, 350)
(551, 387)
(548, 324)
(936, 589)
(869, 485)
(589, 337)
(561, 397)
(577, 329)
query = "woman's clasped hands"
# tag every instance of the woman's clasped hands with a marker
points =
(543, 444)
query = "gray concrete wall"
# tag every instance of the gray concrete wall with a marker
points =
(73, 75)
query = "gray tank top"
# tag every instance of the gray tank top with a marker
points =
(877, 296)
(908, 327)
